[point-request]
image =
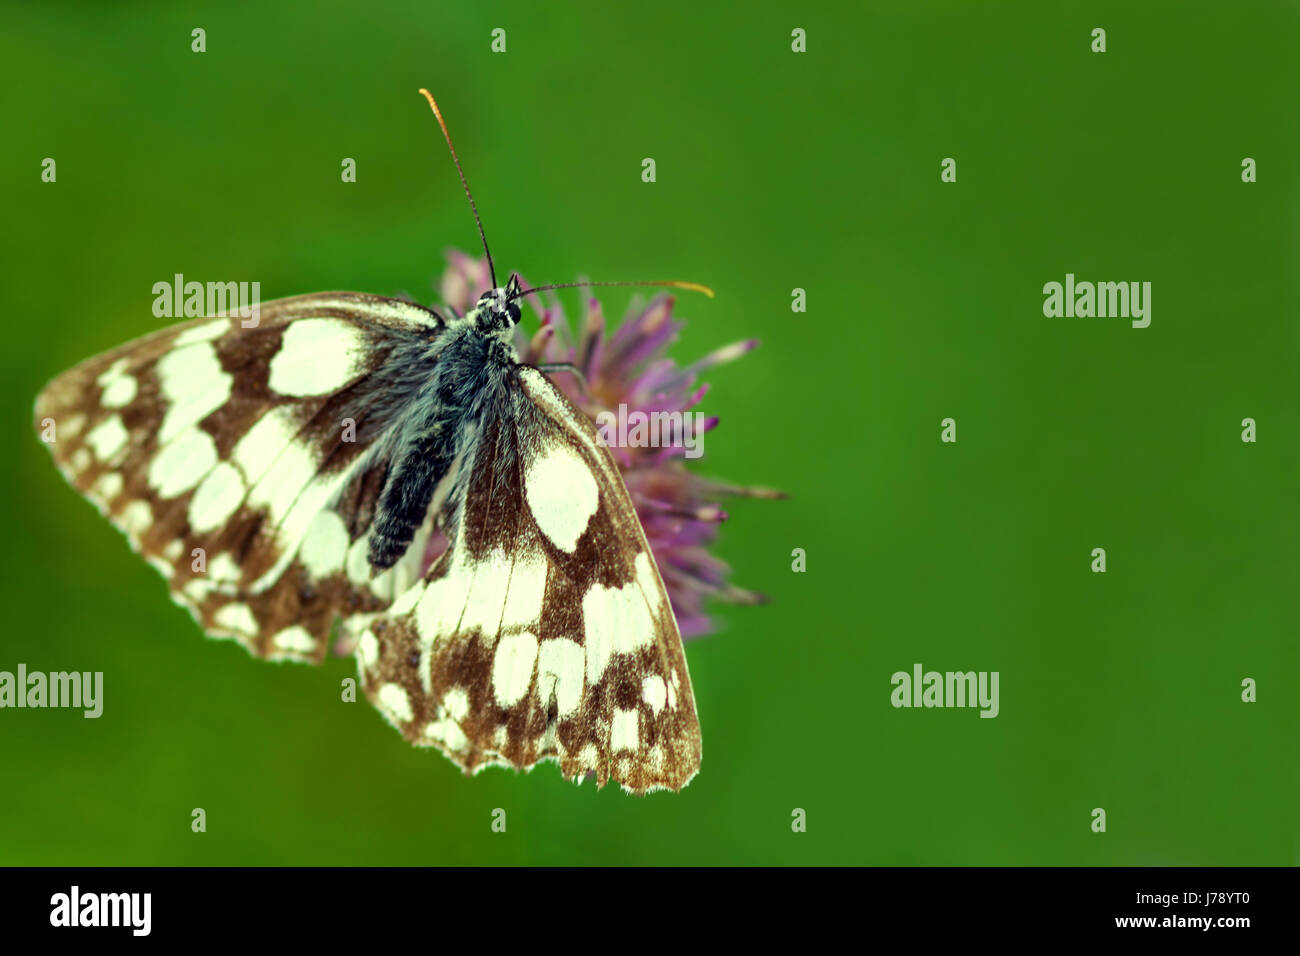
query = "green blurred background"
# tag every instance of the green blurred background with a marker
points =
(775, 170)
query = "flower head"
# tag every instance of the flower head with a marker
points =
(630, 379)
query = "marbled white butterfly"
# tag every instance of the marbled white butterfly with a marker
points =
(310, 458)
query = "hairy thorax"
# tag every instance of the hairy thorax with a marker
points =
(475, 356)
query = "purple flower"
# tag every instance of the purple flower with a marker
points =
(629, 379)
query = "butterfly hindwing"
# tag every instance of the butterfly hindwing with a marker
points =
(544, 630)
(243, 462)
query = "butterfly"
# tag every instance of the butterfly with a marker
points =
(286, 478)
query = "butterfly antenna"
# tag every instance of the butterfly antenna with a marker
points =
(667, 283)
(469, 195)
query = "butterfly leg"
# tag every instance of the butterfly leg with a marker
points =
(571, 369)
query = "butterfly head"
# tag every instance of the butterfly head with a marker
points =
(498, 309)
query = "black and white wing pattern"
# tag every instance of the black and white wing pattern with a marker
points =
(245, 463)
(543, 631)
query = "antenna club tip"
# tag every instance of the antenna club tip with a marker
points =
(432, 102)
(695, 287)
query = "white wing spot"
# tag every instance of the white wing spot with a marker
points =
(202, 333)
(121, 392)
(261, 444)
(449, 732)
(197, 589)
(437, 615)
(298, 640)
(625, 733)
(293, 526)
(486, 600)
(559, 672)
(136, 518)
(316, 357)
(368, 649)
(108, 437)
(161, 566)
(456, 703)
(279, 488)
(195, 386)
(237, 618)
(217, 497)
(119, 388)
(512, 668)
(562, 495)
(527, 589)
(654, 693)
(325, 544)
(357, 562)
(616, 621)
(109, 485)
(223, 568)
(182, 463)
(392, 697)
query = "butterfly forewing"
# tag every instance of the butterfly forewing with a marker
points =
(243, 462)
(544, 630)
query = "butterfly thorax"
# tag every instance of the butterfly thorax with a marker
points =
(474, 358)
